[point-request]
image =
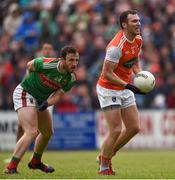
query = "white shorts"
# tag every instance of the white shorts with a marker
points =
(121, 98)
(51, 108)
(22, 98)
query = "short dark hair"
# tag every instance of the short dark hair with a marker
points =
(124, 16)
(66, 50)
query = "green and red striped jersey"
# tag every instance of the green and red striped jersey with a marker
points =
(46, 79)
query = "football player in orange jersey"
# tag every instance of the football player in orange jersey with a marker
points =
(115, 91)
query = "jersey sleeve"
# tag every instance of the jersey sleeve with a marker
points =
(113, 54)
(70, 83)
(38, 64)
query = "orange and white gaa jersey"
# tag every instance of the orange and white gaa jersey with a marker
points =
(123, 52)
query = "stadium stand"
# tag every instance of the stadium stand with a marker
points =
(88, 25)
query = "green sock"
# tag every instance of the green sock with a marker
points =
(35, 154)
(16, 159)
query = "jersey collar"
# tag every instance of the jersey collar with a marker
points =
(128, 39)
(58, 68)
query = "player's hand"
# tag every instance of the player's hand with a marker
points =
(43, 106)
(134, 89)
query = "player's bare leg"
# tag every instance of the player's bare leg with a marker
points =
(28, 120)
(113, 119)
(19, 133)
(131, 121)
(45, 129)
(45, 133)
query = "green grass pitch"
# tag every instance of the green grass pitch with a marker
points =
(138, 164)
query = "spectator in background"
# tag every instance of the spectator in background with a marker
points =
(28, 32)
(82, 92)
(46, 50)
(89, 26)
(48, 28)
(6, 71)
(97, 55)
(159, 102)
(64, 34)
(66, 104)
(170, 100)
(82, 97)
(12, 20)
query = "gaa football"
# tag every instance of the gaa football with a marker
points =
(145, 81)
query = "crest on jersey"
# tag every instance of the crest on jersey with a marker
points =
(114, 99)
(130, 63)
(63, 83)
(31, 100)
(58, 78)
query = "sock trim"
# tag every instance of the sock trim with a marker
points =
(35, 154)
(16, 159)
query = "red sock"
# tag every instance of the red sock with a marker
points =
(13, 163)
(36, 158)
(104, 163)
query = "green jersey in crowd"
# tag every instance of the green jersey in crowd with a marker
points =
(46, 79)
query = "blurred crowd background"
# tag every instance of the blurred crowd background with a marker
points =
(88, 25)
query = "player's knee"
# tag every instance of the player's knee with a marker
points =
(135, 129)
(115, 132)
(32, 133)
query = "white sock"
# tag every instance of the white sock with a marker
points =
(102, 167)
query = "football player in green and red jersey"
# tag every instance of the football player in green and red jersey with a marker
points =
(47, 80)
(47, 50)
